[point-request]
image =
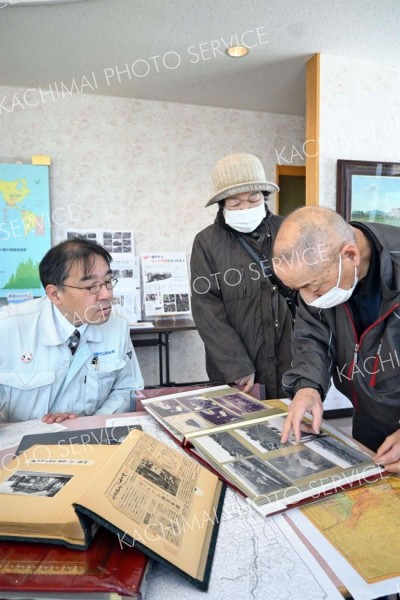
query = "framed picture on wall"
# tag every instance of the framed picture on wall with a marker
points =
(368, 191)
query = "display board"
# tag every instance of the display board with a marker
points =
(25, 228)
(166, 290)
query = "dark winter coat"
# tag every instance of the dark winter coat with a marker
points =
(243, 319)
(366, 369)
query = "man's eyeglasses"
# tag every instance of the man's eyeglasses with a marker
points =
(96, 286)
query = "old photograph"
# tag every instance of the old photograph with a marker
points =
(34, 484)
(337, 451)
(198, 402)
(222, 446)
(187, 422)
(82, 234)
(257, 475)
(276, 425)
(169, 302)
(166, 408)
(218, 415)
(302, 463)
(182, 303)
(262, 437)
(240, 404)
(159, 476)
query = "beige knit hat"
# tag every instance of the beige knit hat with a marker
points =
(238, 173)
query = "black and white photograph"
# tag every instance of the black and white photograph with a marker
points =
(113, 241)
(166, 408)
(126, 273)
(118, 241)
(169, 302)
(182, 302)
(127, 246)
(198, 402)
(26, 483)
(107, 240)
(116, 246)
(218, 415)
(276, 425)
(159, 476)
(257, 475)
(151, 297)
(335, 450)
(87, 235)
(262, 437)
(152, 276)
(301, 463)
(187, 422)
(308, 437)
(240, 404)
(222, 446)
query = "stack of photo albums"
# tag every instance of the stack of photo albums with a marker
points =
(150, 495)
(153, 499)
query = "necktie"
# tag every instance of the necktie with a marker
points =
(73, 341)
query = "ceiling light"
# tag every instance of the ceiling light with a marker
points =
(237, 51)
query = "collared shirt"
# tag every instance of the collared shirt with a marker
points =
(64, 328)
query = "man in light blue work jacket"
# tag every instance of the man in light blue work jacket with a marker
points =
(67, 354)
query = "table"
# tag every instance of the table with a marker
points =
(160, 333)
(253, 558)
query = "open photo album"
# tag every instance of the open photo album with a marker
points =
(151, 496)
(239, 438)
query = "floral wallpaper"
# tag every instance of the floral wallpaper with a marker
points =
(359, 118)
(141, 165)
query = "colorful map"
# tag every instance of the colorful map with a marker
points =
(364, 524)
(25, 224)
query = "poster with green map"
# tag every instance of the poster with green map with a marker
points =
(25, 225)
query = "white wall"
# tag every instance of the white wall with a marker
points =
(359, 120)
(359, 116)
(141, 165)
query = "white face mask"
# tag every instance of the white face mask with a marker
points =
(246, 220)
(336, 295)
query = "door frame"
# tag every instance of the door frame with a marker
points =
(292, 171)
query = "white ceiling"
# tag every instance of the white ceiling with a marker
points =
(52, 44)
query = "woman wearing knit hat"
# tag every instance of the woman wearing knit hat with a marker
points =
(242, 311)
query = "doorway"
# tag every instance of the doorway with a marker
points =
(292, 188)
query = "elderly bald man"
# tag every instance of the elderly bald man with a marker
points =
(347, 325)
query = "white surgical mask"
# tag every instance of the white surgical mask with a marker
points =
(336, 295)
(246, 220)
